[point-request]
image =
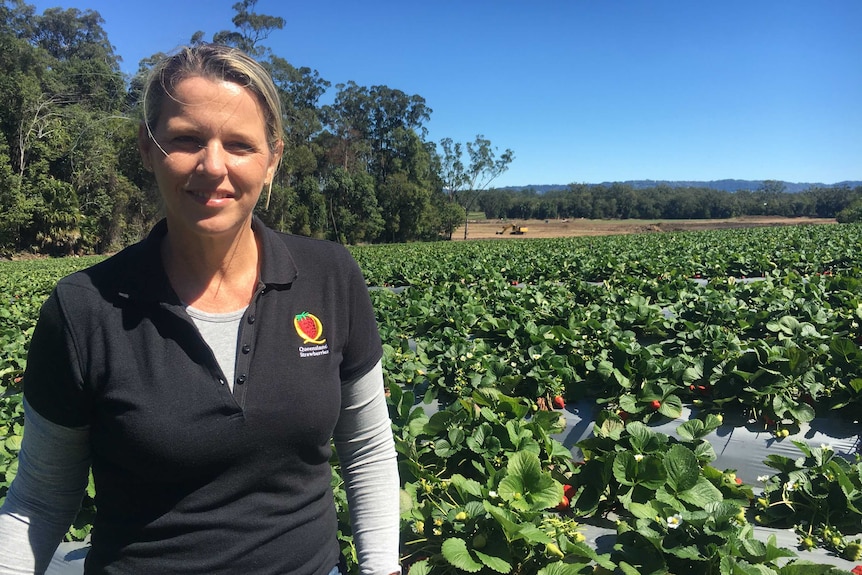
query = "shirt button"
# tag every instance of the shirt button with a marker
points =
(240, 380)
(246, 348)
(251, 319)
(221, 381)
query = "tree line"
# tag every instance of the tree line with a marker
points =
(360, 169)
(623, 201)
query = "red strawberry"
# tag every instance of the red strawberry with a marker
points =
(569, 491)
(655, 404)
(563, 505)
(559, 402)
(624, 415)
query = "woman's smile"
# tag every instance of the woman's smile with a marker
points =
(215, 199)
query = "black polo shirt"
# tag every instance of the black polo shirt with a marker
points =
(191, 478)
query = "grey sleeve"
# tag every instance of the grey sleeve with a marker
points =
(366, 451)
(41, 504)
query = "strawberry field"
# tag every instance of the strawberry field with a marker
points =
(558, 405)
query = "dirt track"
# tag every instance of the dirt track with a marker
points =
(488, 229)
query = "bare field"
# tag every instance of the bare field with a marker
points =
(489, 229)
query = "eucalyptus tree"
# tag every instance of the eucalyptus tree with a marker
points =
(251, 29)
(352, 210)
(371, 119)
(463, 182)
(380, 131)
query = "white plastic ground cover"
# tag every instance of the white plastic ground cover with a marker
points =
(603, 537)
(739, 444)
(68, 559)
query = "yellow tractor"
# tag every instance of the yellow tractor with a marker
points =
(516, 230)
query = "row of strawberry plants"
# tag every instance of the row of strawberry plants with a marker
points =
(784, 348)
(714, 254)
(489, 490)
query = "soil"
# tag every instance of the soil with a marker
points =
(490, 229)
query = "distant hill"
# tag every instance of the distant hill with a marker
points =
(722, 185)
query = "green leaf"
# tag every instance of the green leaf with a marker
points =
(13, 443)
(420, 568)
(671, 407)
(562, 568)
(493, 562)
(701, 494)
(692, 429)
(526, 487)
(466, 486)
(456, 553)
(642, 438)
(648, 472)
(682, 468)
(642, 510)
(801, 412)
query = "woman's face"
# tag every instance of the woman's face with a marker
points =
(210, 156)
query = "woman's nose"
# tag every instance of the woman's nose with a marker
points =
(213, 159)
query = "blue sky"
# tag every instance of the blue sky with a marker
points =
(580, 90)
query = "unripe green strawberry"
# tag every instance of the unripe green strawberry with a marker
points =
(853, 551)
(479, 541)
(553, 550)
(460, 516)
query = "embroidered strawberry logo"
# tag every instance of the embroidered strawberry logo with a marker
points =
(308, 327)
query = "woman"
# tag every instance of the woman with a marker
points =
(204, 371)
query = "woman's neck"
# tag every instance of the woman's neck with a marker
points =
(213, 274)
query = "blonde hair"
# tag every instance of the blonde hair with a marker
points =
(214, 62)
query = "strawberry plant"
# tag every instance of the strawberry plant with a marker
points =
(485, 499)
(674, 512)
(819, 495)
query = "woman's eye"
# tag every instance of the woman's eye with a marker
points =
(187, 143)
(239, 147)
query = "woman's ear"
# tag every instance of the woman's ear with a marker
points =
(145, 147)
(277, 151)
